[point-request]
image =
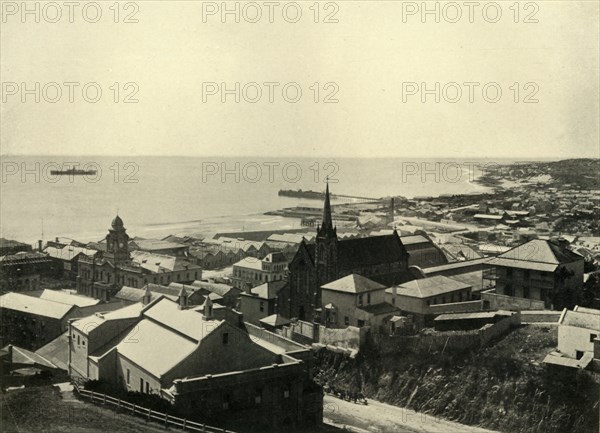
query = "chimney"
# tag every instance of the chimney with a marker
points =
(208, 308)
(182, 298)
(147, 296)
(562, 243)
(40, 244)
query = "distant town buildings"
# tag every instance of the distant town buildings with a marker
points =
(102, 275)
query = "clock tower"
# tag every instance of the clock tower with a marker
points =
(117, 242)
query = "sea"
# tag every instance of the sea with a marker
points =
(157, 196)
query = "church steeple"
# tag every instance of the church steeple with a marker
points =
(327, 229)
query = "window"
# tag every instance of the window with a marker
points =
(141, 385)
(262, 306)
(360, 299)
(526, 292)
(287, 391)
(578, 354)
(592, 337)
(128, 376)
(225, 337)
(368, 299)
(361, 323)
(147, 388)
(394, 301)
(78, 340)
(346, 321)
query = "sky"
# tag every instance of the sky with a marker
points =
(369, 73)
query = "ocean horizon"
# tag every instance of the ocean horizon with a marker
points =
(157, 196)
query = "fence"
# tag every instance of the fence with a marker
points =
(150, 415)
(496, 301)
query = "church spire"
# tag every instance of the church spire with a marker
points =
(327, 228)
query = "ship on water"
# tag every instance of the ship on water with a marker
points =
(298, 193)
(73, 172)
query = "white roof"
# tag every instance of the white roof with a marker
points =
(33, 305)
(188, 322)
(67, 298)
(155, 348)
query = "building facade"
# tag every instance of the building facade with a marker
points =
(102, 275)
(251, 272)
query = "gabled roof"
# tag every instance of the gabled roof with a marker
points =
(68, 252)
(36, 306)
(427, 287)
(353, 283)
(165, 337)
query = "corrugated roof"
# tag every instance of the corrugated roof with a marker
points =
(430, 286)
(37, 306)
(353, 283)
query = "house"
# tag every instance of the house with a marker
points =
(354, 300)
(541, 270)
(578, 339)
(196, 359)
(260, 301)
(250, 271)
(417, 297)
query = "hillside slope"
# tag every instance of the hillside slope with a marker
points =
(504, 387)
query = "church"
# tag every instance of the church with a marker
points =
(383, 259)
(102, 276)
